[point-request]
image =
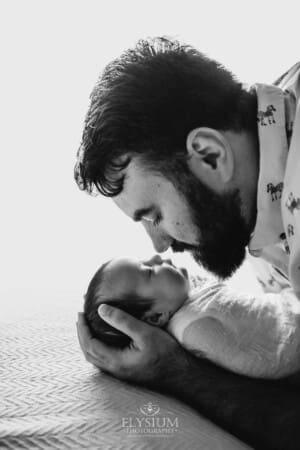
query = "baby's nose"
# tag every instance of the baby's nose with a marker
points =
(156, 259)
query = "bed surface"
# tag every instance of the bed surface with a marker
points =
(51, 398)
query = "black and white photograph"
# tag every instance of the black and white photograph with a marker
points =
(150, 225)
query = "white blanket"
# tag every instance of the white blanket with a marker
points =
(253, 335)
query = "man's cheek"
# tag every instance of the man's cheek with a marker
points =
(177, 230)
(184, 233)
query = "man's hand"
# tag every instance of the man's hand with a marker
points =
(150, 356)
(263, 413)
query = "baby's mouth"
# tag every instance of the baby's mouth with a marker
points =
(169, 262)
(182, 270)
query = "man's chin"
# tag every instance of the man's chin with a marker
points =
(215, 263)
(217, 259)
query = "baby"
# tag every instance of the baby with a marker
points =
(151, 291)
(204, 315)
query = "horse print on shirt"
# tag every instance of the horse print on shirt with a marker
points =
(290, 230)
(292, 203)
(274, 190)
(267, 114)
(283, 238)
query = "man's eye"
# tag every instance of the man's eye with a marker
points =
(156, 221)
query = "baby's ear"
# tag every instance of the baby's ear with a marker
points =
(157, 319)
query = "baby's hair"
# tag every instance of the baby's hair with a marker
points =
(132, 304)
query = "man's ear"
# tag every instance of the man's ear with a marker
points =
(210, 156)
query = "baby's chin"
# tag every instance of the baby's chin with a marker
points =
(185, 277)
(187, 285)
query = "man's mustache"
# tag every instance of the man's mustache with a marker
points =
(179, 247)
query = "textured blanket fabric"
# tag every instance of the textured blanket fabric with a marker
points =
(51, 398)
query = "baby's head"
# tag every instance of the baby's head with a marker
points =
(150, 290)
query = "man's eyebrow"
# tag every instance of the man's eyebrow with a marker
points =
(140, 213)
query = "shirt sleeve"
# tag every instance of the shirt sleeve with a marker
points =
(291, 204)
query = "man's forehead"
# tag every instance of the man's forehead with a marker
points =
(137, 171)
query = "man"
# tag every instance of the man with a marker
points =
(210, 167)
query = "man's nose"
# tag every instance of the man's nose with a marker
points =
(161, 241)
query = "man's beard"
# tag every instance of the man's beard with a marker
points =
(222, 231)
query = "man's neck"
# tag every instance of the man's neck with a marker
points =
(245, 147)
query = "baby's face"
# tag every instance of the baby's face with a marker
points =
(153, 279)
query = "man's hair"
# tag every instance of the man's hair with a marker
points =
(146, 102)
(132, 304)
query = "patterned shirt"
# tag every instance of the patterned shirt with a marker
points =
(259, 335)
(276, 237)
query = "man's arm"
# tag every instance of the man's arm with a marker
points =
(265, 414)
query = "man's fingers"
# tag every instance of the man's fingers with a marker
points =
(89, 344)
(93, 361)
(95, 351)
(84, 335)
(124, 322)
(81, 319)
(78, 335)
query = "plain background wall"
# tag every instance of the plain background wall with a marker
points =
(53, 237)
